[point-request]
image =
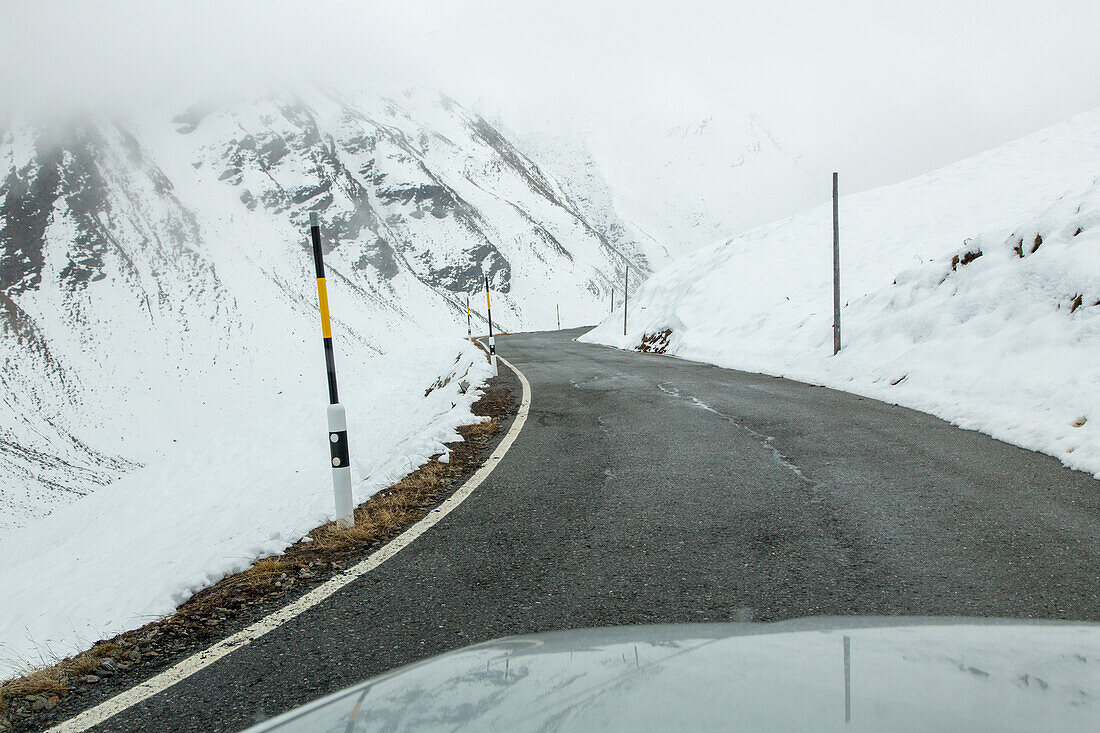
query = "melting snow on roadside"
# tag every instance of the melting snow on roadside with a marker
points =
(972, 293)
(249, 480)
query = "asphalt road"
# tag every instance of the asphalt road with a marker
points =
(646, 489)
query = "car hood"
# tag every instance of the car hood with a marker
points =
(810, 674)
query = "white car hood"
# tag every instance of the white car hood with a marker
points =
(812, 674)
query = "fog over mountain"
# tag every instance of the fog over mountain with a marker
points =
(878, 91)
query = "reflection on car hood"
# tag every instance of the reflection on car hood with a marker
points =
(811, 674)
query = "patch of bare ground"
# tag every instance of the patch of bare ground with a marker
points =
(31, 700)
(655, 343)
(966, 259)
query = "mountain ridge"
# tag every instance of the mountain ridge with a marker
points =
(143, 261)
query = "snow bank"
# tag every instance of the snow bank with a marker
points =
(1007, 342)
(248, 481)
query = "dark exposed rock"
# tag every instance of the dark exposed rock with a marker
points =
(436, 199)
(28, 199)
(63, 179)
(468, 276)
(380, 256)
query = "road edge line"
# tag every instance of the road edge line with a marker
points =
(182, 670)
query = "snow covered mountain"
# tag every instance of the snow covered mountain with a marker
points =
(101, 272)
(687, 183)
(972, 292)
(151, 269)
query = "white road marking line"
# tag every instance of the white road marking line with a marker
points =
(182, 670)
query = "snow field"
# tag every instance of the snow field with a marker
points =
(248, 481)
(996, 344)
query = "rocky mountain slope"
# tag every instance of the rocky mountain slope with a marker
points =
(152, 267)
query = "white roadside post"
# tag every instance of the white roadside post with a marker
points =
(626, 293)
(836, 266)
(337, 418)
(557, 309)
(492, 342)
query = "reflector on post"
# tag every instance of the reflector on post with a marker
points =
(492, 343)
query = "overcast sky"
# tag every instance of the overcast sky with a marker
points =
(881, 90)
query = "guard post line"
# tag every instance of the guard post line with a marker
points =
(469, 327)
(489, 314)
(337, 417)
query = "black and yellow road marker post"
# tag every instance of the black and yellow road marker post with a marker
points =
(492, 342)
(337, 418)
(469, 325)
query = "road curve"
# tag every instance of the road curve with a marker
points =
(646, 489)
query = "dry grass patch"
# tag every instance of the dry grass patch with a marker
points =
(56, 680)
(45, 681)
(480, 430)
